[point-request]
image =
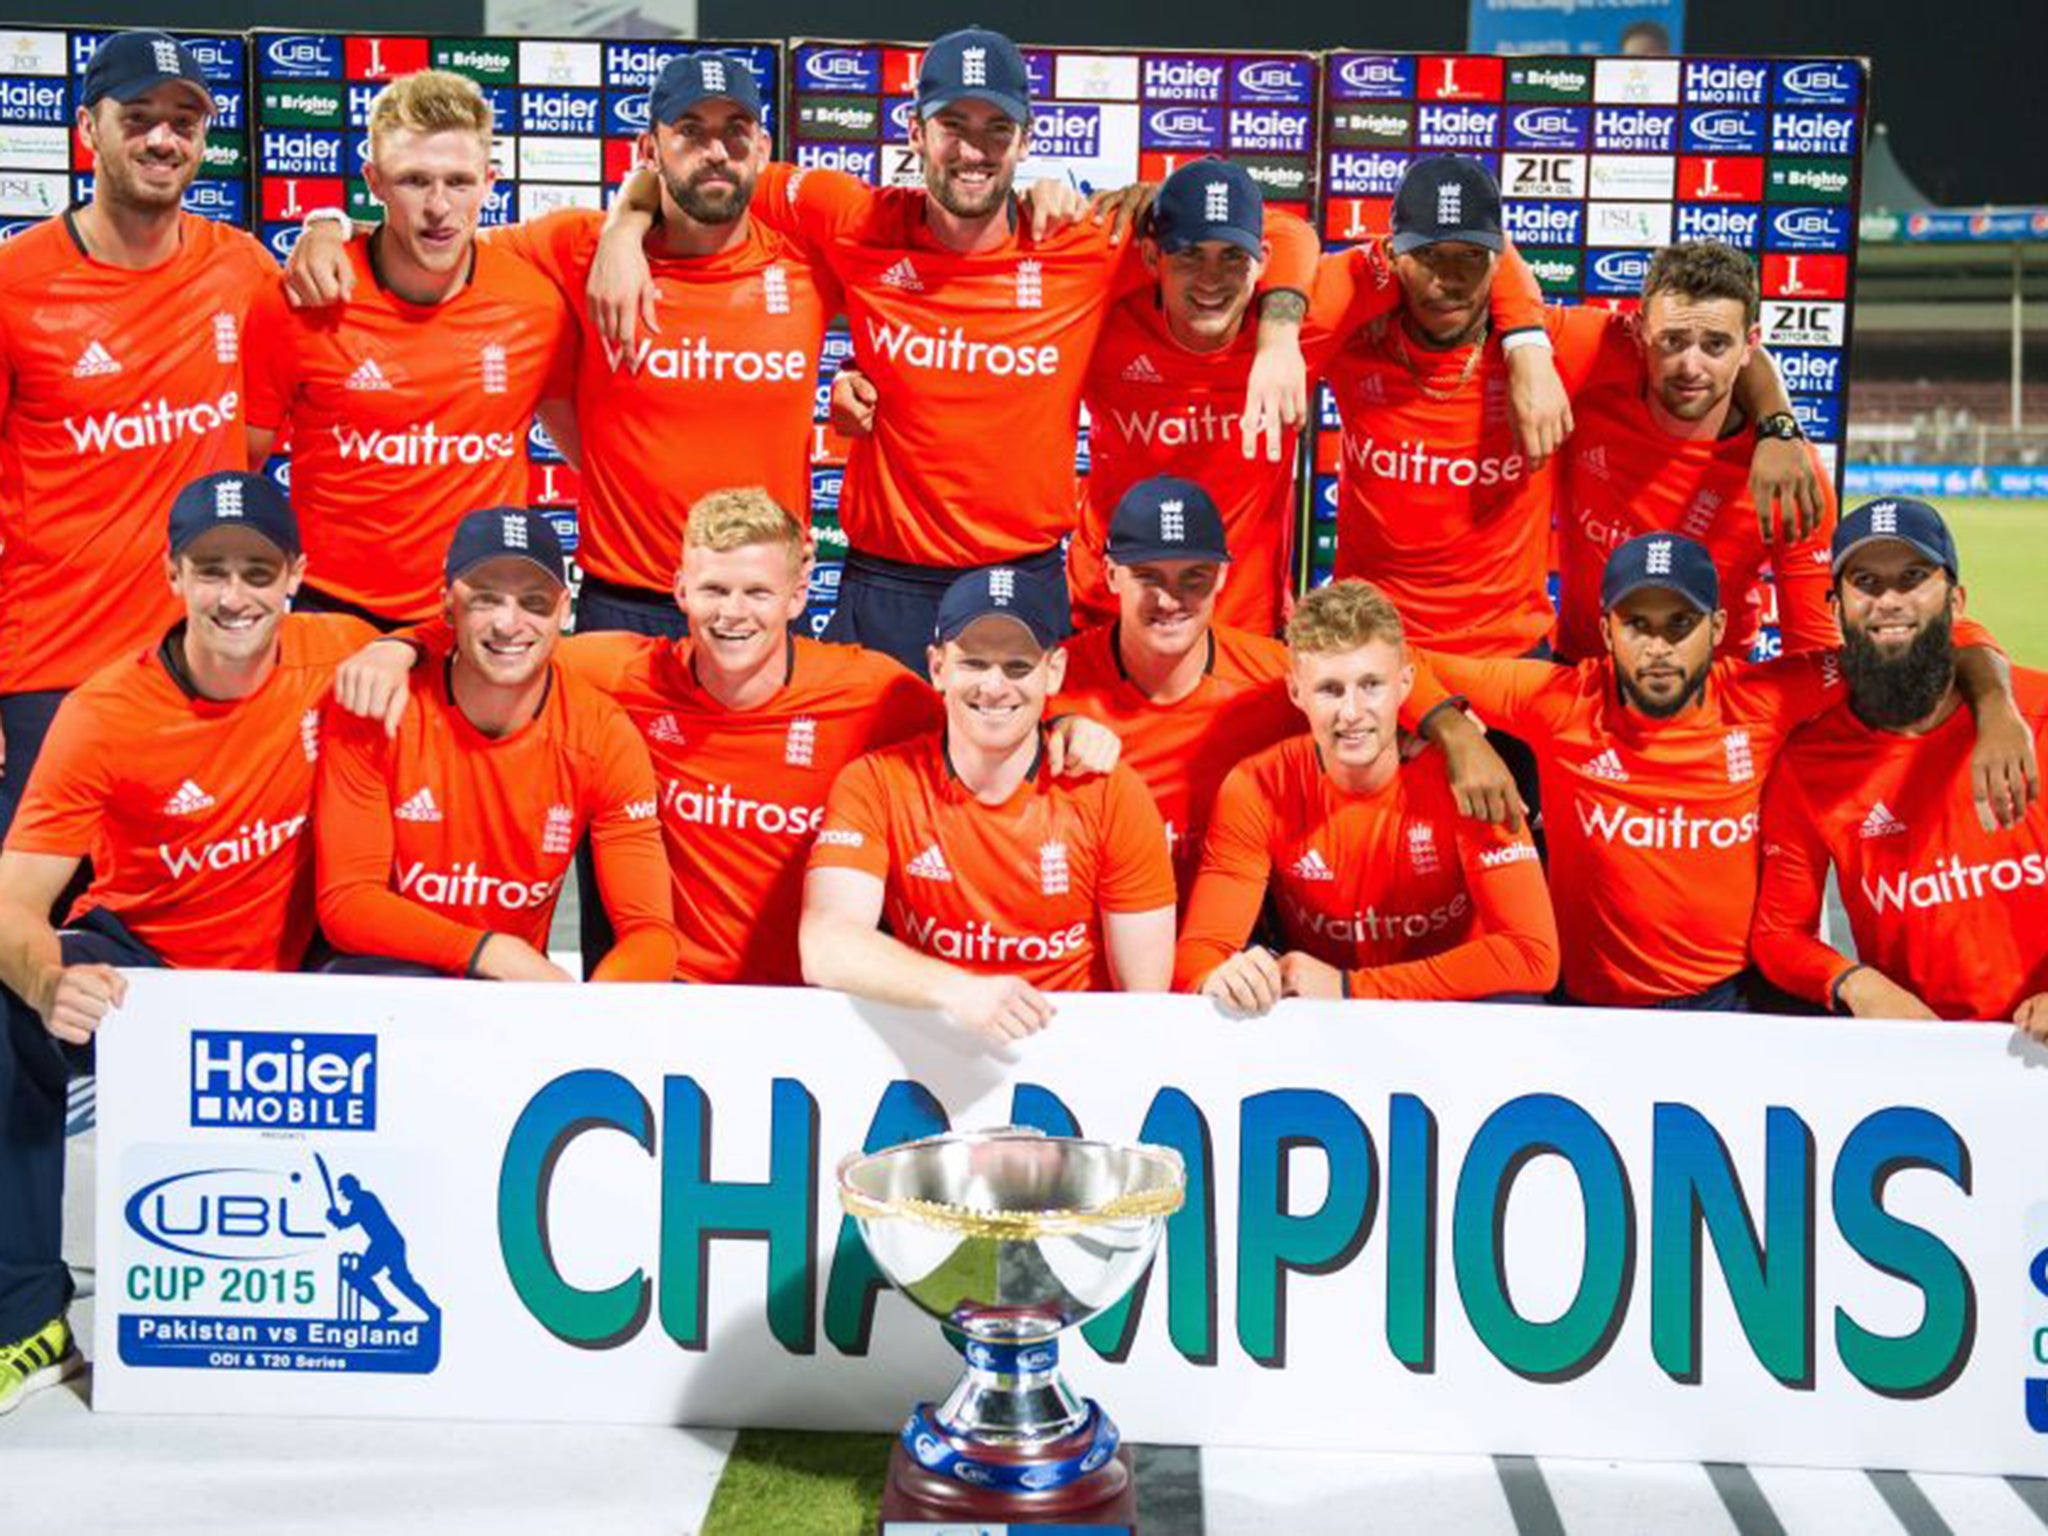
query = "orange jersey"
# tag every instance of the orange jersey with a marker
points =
(1435, 501)
(117, 388)
(1013, 889)
(1393, 887)
(743, 791)
(979, 360)
(1956, 915)
(721, 394)
(406, 416)
(193, 811)
(1623, 475)
(432, 841)
(1652, 824)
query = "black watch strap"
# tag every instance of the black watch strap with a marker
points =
(1779, 424)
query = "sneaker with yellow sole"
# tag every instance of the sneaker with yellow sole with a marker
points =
(43, 1359)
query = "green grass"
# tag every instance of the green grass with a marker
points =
(788, 1483)
(2004, 547)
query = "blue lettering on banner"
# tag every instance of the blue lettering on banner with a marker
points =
(1819, 83)
(863, 162)
(1725, 131)
(301, 56)
(1809, 370)
(1373, 77)
(83, 46)
(1733, 224)
(1820, 417)
(1635, 130)
(1548, 127)
(1458, 125)
(849, 71)
(1285, 82)
(220, 58)
(1544, 222)
(266, 1079)
(226, 201)
(627, 113)
(1328, 417)
(504, 100)
(360, 94)
(1726, 83)
(1177, 77)
(280, 239)
(301, 152)
(1617, 272)
(1263, 130)
(1366, 172)
(1813, 133)
(1038, 70)
(826, 480)
(25, 99)
(1181, 128)
(1067, 132)
(634, 66)
(558, 111)
(1801, 228)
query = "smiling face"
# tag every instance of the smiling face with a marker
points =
(709, 159)
(741, 602)
(994, 680)
(970, 150)
(1662, 648)
(507, 614)
(1205, 288)
(1165, 606)
(1898, 609)
(146, 151)
(237, 587)
(1353, 699)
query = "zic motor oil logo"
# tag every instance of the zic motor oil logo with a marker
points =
(265, 1080)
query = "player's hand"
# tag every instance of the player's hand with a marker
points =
(1276, 397)
(1786, 490)
(1123, 209)
(1051, 205)
(2032, 1016)
(1305, 976)
(998, 1008)
(622, 295)
(1870, 994)
(2005, 775)
(80, 996)
(1247, 984)
(1077, 747)
(505, 958)
(372, 683)
(1539, 403)
(853, 403)
(318, 271)
(1480, 781)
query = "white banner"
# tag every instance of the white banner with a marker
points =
(1409, 1228)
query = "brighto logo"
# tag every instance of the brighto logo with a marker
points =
(979, 943)
(1671, 828)
(717, 805)
(257, 840)
(1372, 926)
(951, 352)
(695, 360)
(261, 1078)
(422, 445)
(152, 426)
(466, 886)
(1952, 880)
(1414, 464)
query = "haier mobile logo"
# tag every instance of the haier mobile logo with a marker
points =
(1366, 172)
(558, 111)
(1733, 224)
(28, 100)
(1182, 128)
(1809, 370)
(1813, 133)
(1725, 131)
(1820, 84)
(1547, 128)
(1807, 229)
(1457, 126)
(1182, 79)
(1375, 77)
(1726, 84)
(270, 1080)
(1635, 130)
(1287, 82)
(1067, 132)
(1617, 272)
(303, 57)
(635, 66)
(1543, 222)
(301, 152)
(1263, 130)
(863, 162)
(854, 70)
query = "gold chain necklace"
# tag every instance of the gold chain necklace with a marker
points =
(1439, 391)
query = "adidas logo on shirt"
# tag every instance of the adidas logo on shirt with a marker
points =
(420, 807)
(367, 376)
(663, 728)
(903, 275)
(1881, 823)
(190, 800)
(1141, 370)
(1607, 766)
(1310, 866)
(95, 362)
(929, 865)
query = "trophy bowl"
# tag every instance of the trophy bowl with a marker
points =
(1009, 1237)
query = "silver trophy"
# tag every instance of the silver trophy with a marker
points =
(1010, 1237)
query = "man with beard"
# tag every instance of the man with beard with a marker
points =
(725, 372)
(1670, 452)
(1653, 760)
(184, 771)
(976, 331)
(120, 380)
(1950, 916)
(410, 406)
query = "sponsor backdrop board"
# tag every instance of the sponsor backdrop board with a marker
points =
(1601, 160)
(1104, 118)
(44, 164)
(1458, 1228)
(1568, 26)
(568, 113)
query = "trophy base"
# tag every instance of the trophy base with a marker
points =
(1104, 1503)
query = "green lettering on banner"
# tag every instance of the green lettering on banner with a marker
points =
(1796, 179)
(488, 61)
(227, 155)
(304, 104)
(1547, 79)
(1557, 271)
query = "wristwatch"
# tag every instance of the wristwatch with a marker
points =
(1782, 425)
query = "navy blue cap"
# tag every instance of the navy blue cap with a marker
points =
(232, 499)
(1667, 560)
(128, 64)
(1001, 589)
(1166, 518)
(1446, 197)
(1903, 519)
(690, 78)
(1209, 200)
(496, 532)
(974, 62)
